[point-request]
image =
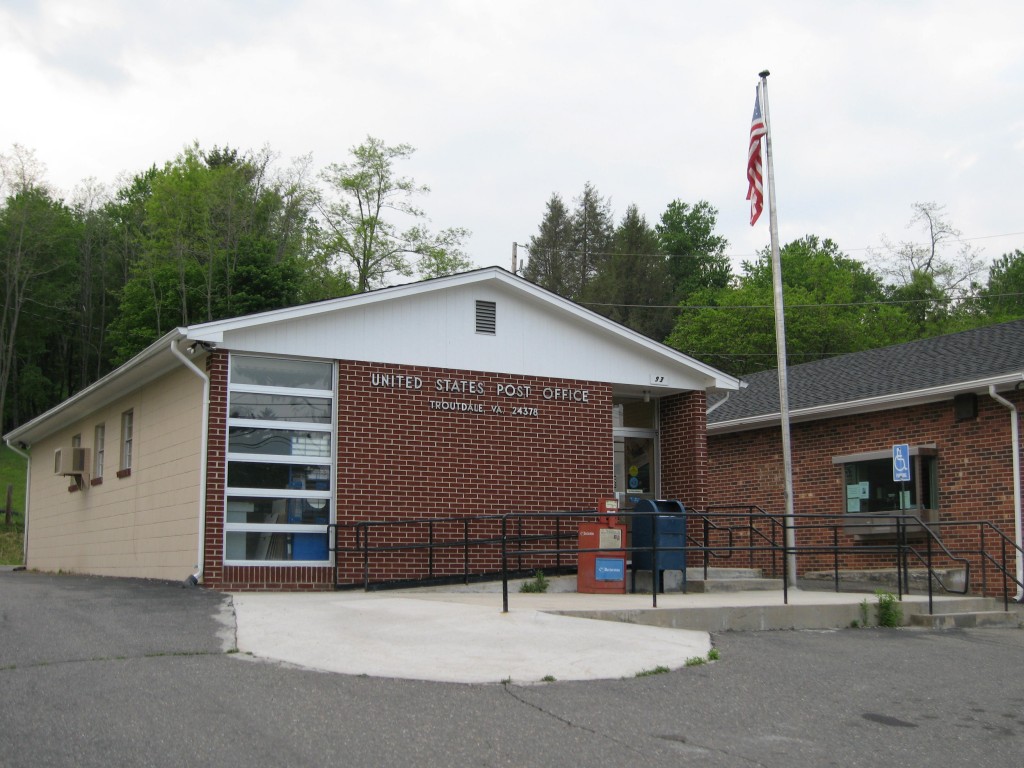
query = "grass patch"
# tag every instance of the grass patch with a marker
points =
(12, 472)
(659, 670)
(548, 679)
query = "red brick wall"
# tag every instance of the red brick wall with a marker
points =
(400, 459)
(974, 469)
(684, 450)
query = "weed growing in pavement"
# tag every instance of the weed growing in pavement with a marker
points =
(548, 679)
(539, 583)
(888, 610)
(864, 612)
(659, 670)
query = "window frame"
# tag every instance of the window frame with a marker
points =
(99, 441)
(871, 523)
(329, 463)
(127, 458)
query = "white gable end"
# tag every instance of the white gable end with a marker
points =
(536, 334)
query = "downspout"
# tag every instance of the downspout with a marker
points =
(711, 409)
(1015, 439)
(196, 577)
(28, 493)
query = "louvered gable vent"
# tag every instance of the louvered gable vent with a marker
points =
(486, 314)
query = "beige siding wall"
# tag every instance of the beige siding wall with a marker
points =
(143, 525)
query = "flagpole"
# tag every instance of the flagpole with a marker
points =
(780, 342)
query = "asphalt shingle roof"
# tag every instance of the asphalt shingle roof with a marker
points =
(940, 361)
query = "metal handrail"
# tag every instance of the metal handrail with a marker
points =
(362, 547)
(753, 513)
(1001, 565)
(518, 543)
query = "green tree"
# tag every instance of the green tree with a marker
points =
(212, 234)
(1002, 298)
(633, 287)
(370, 247)
(99, 288)
(550, 264)
(591, 233)
(833, 305)
(38, 274)
(571, 249)
(937, 278)
(696, 255)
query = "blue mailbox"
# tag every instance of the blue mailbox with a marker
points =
(659, 524)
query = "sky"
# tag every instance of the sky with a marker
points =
(874, 106)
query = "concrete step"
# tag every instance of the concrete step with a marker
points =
(802, 613)
(697, 574)
(718, 580)
(948, 578)
(733, 585)
(966, 620)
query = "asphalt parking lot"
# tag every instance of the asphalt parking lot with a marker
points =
(101, 672)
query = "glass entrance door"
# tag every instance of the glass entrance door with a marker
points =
(636, 468)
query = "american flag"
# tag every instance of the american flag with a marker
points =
(755, 190)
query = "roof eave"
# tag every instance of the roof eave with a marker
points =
(867, 405)
(144, 367)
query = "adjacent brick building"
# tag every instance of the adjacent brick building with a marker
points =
(951, 400)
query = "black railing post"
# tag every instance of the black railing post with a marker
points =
(1006, 580)
(655, 581)
(519, 544)
(504, 564)
(366, 559)
(750, 537)
(906, 557)
(835, 555)
(465, 551)
(558, 544)
(706, 544)
(928, 548)
(774, 525)
(900, 554)
(785, 568)
(430, 549)
(984, 559)
(332, 528)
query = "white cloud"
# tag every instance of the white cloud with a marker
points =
(874, 105)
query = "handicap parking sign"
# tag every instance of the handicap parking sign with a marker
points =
(901, 463)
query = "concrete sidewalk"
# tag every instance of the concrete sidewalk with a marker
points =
(462, 636)
(454, 637)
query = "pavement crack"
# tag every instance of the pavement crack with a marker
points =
(92, 659)
(509, 689)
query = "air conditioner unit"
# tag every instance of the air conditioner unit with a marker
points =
(70, 461)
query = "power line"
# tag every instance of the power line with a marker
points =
(837, 305)
(732, 256)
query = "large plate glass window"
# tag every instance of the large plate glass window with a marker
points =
(280, 460)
